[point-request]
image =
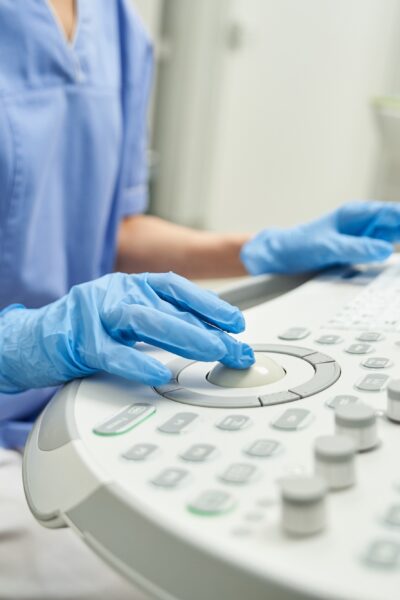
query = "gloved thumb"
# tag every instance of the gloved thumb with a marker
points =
(354, 249)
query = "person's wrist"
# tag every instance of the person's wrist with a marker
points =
(7, 318)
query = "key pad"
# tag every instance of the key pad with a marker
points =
(211, 503)
(360, 348)
(170, 478)
(238, 473)
(140, 452)
(199, 452)
(234, 422)
(373, 382)
(293, 419)
(263, 448)
(125, 420)
(178, 423)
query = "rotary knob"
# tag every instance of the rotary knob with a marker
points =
(393, 400)
(358, 421)
(303, 505)
(334, 457)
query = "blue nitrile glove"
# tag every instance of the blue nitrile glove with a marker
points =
(94, 327)
(357, 232)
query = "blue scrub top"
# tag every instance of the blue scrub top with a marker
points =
(72, 155)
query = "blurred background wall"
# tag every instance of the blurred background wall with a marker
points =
(262, 110)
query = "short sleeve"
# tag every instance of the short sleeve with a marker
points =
(137, 71)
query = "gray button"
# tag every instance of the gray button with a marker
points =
(377, 362)
(234, 422)
(341, 400)
(370, 336)
(278, 398)
(125, 420)
(384, 554)
(359, 348)
(373, 382)
(317, 358)
(211, 502)
(329, 339)
(355, 416)
(392, 516)
(303, 490)
(198, 452)
(263, 448)
(178, 422)
(170, 478)
(292, 419)
(334, 448)
(140, 451)
(239, 473)
(197, 399)
(294, 333)
(283, 349)
(326, 374)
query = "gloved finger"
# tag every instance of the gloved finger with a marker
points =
(364, 218)
(188, 296)
(143, 323)
(346, 249)
(239, 355)
(130, 363)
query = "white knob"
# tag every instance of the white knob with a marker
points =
(334, 457)
(303, 505)
(357, 421)
(393, 400)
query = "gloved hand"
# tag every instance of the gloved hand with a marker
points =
(94, 327)
(357, 232)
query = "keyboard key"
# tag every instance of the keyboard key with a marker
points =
(359, 348)
(370, 336)
(392, 516)
(211, 503)
(341, 400)
(178, 423)
(329, 339)
(377, 362)
(199, 452)
(294, 333)
(374, 382)
(234, 422)
(238, 473)
(384, 554)
(263, 448)
(125, 420)
(140, 452)
(170, 478)
(293, 419)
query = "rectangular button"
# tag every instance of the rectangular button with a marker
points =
(238, 473)
(170, 478)
(384, 554)
(140, 452)
(263, 448)
(278, 398)
(178, 422)
(211, 502)
(293, 419)
(198, 452)
(233, 422)
(373, 382)
(125, 420)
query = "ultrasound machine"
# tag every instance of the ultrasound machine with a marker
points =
(279, 482)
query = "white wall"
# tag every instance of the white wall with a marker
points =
(291, 129)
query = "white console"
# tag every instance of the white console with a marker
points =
(283, 487)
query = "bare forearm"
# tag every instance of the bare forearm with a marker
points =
(147, 243)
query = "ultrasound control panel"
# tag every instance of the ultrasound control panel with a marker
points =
(280, 481)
